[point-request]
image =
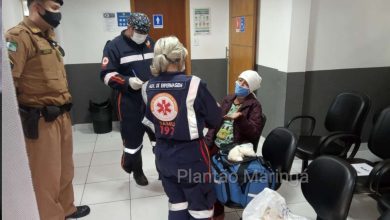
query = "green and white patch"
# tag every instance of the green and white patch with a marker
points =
(12, 46)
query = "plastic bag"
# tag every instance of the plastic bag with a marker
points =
(269, 205)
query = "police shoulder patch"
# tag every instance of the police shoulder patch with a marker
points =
(12, 46)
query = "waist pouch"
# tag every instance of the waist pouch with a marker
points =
(236, 184)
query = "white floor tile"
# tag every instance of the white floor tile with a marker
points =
(227, 210)
(106, 173)
(366, 154)
(82, 160)
(80, 136)
(362, 208)
(296, 167)
(109, 142)
(159, 208)
(113, 135)
(78, 193)
(154, 188)
(148, 162)
(239, 213)
(303, 209)
(80, 175)
(83, 147)
(84, 128)
(106, 158)
(109, 191)
(231, 216)
(291, 191)
(113, 210)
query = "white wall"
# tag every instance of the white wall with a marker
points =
(211, 46)
(274, 33)
(83, 37)
(349, 34)
(299, 35)
(12, 13)
(82, 32)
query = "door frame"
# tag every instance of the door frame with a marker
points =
(188, 32)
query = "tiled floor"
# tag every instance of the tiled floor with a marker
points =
(112, 194)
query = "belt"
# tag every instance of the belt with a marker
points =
(50, 112)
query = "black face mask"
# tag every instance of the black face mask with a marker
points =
(52, 18)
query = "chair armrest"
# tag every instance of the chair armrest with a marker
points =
(376, 175)
(345, 137)
(312, 122)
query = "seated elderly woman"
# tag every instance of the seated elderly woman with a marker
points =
(242, 120)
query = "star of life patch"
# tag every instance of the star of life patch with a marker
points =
(105, 62)
(164, 107)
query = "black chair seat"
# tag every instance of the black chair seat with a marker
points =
(384, 202)
(307, 150)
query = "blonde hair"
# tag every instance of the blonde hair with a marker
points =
(168, 50)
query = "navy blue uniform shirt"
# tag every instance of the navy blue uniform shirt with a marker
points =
(123, 58)
(179, 107)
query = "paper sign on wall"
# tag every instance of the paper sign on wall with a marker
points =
(158, 21)
(109, 21)
(202, 21)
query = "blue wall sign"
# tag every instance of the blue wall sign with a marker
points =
(122, 18)
(158, 21)
(242, 24)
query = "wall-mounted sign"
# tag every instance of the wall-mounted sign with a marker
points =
(202, 21)
(122, 18)
(240, 24)
(158, 21)
(109, 21)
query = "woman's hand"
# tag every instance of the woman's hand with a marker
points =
(232, 116)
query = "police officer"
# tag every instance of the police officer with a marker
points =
(125, 67)
(45, 101)
(178, 108)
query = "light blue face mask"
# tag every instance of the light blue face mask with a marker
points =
(241, 91)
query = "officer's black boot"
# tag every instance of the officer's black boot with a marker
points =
(81, 211)
(138, 173)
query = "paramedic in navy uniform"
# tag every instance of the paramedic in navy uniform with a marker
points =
(178, 108)
(125, 67)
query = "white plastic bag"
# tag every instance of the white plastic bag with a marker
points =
(269, 205)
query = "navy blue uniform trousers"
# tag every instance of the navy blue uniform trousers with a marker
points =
(185, 173)
(130, 113)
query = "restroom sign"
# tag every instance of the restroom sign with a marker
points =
(240, 24)
(158, 21)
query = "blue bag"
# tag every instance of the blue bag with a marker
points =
(236, 184)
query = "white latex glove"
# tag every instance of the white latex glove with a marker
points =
(135, 83)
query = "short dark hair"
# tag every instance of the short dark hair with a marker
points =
(29, 2)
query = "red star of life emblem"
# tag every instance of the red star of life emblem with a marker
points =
(164, 107)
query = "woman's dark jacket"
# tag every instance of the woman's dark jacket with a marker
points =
(247, 127)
